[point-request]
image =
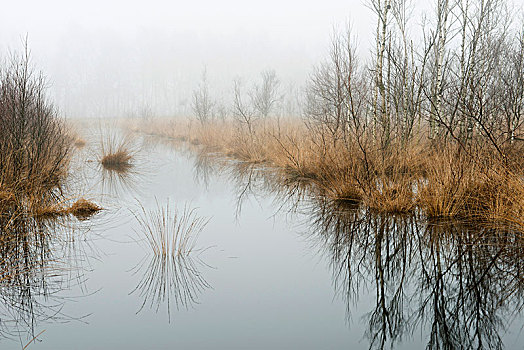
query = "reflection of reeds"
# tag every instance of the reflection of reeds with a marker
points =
(123, 180)
(173, 271)
(168, 279)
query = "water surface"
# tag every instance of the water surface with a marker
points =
(274, 269)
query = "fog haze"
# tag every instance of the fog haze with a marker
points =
(117, 58)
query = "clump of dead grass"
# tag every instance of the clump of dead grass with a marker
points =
(117, 151)
(83, 209)
(118, 161)
(170, 231)
(79, 142)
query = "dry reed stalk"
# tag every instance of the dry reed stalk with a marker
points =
(170, 231)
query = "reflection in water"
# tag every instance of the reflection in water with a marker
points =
(118, 182)
(458, 286)
(171, 270)
(170, 279)
(37, 263)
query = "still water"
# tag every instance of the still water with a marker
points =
(272, 269)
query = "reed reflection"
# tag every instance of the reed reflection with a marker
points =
(171, 271)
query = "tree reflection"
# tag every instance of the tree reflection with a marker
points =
(456, 284)
(37, 263)
(461, 284)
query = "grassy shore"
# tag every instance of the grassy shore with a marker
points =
(439, 180)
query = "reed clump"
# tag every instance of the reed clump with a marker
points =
(170, 231)
(83, 208)
(172, 275)
(118, 161)
(117, 152)
(79, 142)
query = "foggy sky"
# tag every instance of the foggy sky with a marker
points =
(112, 58)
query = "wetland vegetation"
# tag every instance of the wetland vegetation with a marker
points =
(388, 214)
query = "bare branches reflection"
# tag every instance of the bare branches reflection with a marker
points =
(40, 260)
(459, 286)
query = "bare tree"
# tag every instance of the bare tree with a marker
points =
(440, 37)
(241, 111)
(266, 96)
(336, 95)
(202, 104)
(512, 88)
(379, 105)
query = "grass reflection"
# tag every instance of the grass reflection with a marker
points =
(171, 271)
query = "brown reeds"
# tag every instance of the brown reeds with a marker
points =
(83, 209)
(117, 151)
(79, 142)
(170, 231)
(441, 181)
(118, 161)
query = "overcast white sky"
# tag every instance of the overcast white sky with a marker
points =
(107, 57)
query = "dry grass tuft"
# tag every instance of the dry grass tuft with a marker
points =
(79, 142)
(119, 161)
(83, 209)
(117, 151)
(170, 231)
(392, 197)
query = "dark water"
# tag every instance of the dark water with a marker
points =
(273, 269)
